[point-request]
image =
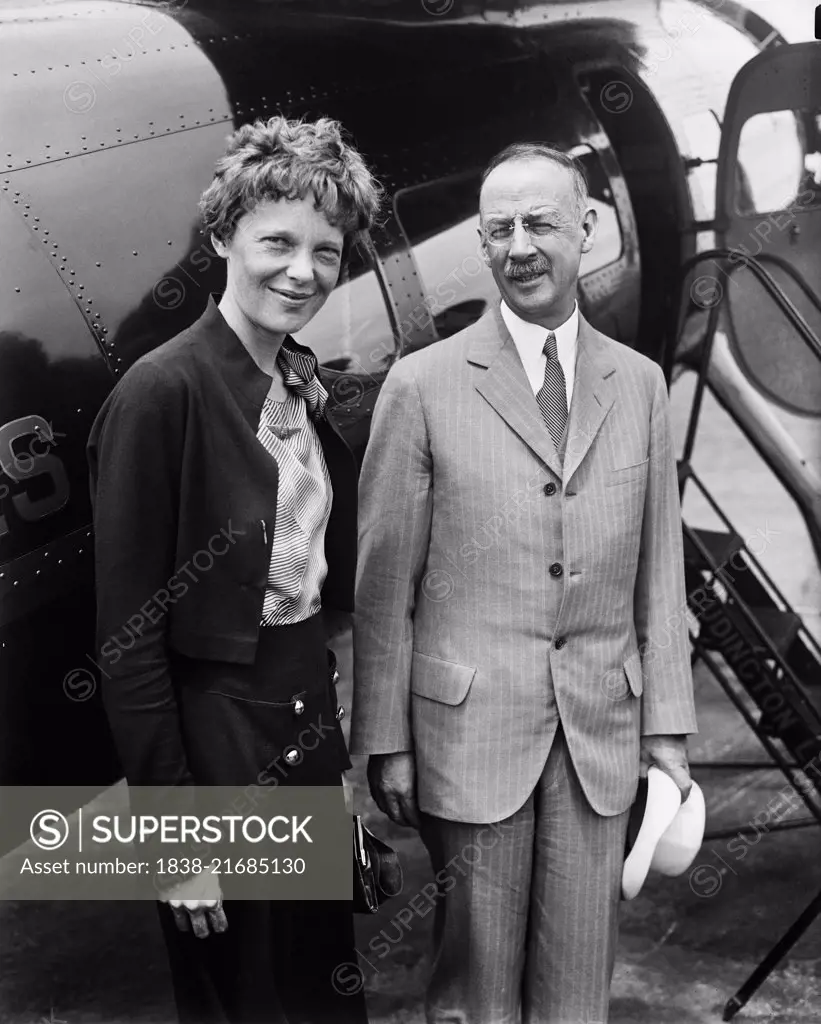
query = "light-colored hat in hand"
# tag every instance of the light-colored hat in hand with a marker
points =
(670, 835)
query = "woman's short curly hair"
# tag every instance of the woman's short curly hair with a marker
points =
(288, 159)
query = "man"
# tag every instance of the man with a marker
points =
(521, 652)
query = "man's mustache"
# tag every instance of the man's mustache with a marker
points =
(527, 268)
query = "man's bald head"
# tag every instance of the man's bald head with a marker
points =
(541, 150)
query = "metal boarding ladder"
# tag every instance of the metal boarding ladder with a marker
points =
(743, 616)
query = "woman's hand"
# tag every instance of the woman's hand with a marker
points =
(197, 904)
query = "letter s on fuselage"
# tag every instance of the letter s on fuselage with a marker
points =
(22, 467)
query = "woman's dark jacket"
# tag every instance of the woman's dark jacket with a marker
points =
(184, 499)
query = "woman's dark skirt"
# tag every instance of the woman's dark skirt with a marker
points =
(276, 961)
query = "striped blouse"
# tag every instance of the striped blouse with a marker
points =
(298, 568)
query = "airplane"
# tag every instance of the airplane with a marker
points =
(113, 114)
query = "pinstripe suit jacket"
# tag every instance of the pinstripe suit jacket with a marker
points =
(457, 611)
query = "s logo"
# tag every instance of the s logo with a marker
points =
(36, 461)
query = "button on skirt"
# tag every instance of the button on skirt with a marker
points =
(272, 722)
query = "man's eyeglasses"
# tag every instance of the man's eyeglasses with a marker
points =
(500, 232)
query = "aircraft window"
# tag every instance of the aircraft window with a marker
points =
(353, 331)
(778, 162)
(441, 220)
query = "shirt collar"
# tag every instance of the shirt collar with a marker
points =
(531, 337)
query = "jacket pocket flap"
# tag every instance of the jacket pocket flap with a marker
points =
(626, 474)
(445, 681)
(633, 671)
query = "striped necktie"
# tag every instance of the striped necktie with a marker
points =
(552, 396)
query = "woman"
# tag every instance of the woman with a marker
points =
(225, 526)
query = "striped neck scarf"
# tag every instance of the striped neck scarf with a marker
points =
(299, 370)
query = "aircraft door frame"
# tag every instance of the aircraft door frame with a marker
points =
(424, 304)
(755, 218)
(649, 164)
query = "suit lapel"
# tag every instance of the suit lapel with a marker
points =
(593, 395)
(505, 387)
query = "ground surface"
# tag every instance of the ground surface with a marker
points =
(682, 952)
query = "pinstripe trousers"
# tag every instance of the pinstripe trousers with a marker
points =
(527, 919)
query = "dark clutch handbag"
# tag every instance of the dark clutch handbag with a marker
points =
(377, 871)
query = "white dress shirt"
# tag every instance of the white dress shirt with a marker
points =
(529, 340)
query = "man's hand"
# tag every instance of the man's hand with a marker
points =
(669, 753)
(197, 903)
(392, 778)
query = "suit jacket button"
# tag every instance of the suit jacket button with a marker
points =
(550, 488)
(299, 706)
(560, 643)
(340, 713)
(555, 569)
(291, 755)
